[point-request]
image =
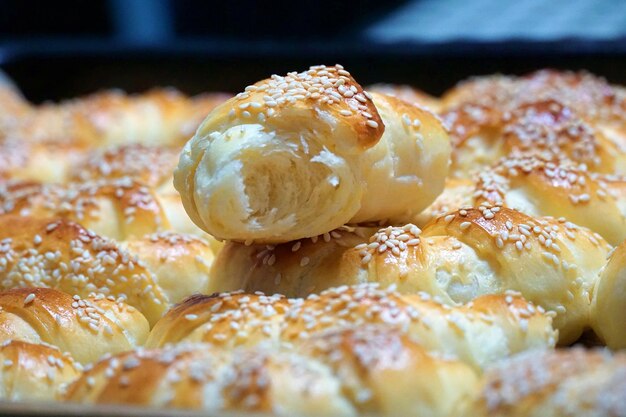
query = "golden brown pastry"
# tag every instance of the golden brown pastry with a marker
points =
(63, 255)
(149, 165)
(556, 187)
(307, 265)
(86, 328)
(21, 160)
(158, 117)
(592, 98)
(291, 157)
(562, 383)
(224, 320)
(150, 273)
(482, 135)
(117, 209)
(457, 257)
(542, 186)
(478, 333)
(180, 263)
(342, 373)
(608, 308)
(34, 372)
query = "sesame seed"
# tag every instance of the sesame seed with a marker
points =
(29, 298)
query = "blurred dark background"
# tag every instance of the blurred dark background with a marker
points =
(58, 49)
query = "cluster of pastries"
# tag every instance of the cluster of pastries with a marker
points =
(316, 249)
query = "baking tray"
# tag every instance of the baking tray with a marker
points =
(52, 409)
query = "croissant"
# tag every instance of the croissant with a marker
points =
(608, 307)
(457, 257)
(566, 382)
(158, 117)
(300, 155)
(34, 371)
(63, 255)
(487, 329)
(86, 328)
(149, 165)
(342, 373)
(542, 186)
(483, 135)
(117, 209)
(556, 187)
(587, 95)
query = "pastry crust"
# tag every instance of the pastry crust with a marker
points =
(489, 328)
(86, 328)
(458, 256)
(346, 372)
(35, 372)
(300, 155)
(565, 382)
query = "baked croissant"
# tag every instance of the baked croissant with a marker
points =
(158, 117)
(556, 187)
(86, 328)
(457, 257)
(483, 135)
(34, 371)
(488, 329)
(151, 166)
(608, 308)
(566, 382)
(342, 373)
(300, 155)
(117, 209)
(63, 255)
(591, 97)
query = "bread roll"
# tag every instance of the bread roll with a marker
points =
(116, 209)
(488, 329)
(291, 157)
(556, 187)
(150, 273)
(149, 165)
(482, 135)
(347, 372)
(406, 170)
(21, 160)
(543, 186)
(608, 308)
(180, 263)
(63, 255)
(225, 320)
(589, 96)
(158, 117)
(34, 372)
(86, 328)
(457, 257)
(307, 265)
(566, 382)
(385, 372)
